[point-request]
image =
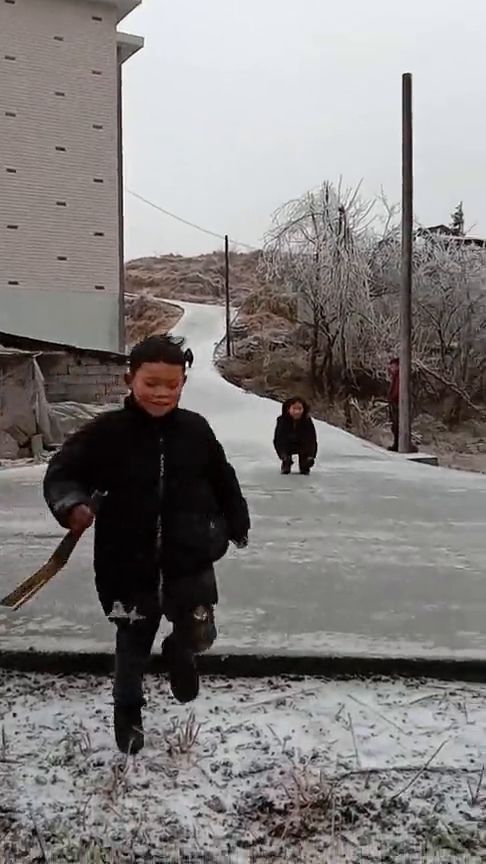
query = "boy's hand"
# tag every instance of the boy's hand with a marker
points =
(81, 518)
(241, 543)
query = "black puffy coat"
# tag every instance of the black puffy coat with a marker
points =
(173, 501)
(295, 436)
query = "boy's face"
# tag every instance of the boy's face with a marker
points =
(296, 411)
(392, 369)
(157, 387)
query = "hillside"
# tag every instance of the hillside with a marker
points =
(271, 354)
(199, 278)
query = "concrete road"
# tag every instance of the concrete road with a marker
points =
(370, 555)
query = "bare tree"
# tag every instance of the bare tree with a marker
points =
(340, 256)
(449, 315)
(315, 249)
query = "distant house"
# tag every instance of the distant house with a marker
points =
(445, 231)
(61, 190)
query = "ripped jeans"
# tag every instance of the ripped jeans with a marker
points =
(193, 629)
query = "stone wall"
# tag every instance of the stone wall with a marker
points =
(72, 376)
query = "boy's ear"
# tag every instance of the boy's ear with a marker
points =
(128, 379)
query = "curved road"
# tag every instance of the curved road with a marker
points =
(371, 554)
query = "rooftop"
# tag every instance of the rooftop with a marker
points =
(25, 344)
(451, 235)
(124, 7)
(128, 45)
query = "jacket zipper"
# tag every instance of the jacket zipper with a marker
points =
(160, 493)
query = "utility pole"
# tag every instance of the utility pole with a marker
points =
(227, 295)
(405, 415)
(121, 244)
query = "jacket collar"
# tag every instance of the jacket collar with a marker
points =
(134, 408)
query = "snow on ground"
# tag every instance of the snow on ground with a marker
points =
(271, 770)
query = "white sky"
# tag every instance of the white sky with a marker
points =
(235, 106)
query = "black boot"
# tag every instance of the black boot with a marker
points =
(286, 465)
(181, 665)
(305, 465)
(128, 729)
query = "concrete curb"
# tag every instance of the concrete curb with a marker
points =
(261, 665)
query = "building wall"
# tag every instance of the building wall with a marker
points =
(59, 240)
(76, 318)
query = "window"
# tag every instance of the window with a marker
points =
(99, 234)
(12, 227)
(62, 258)
(98, 126)
(11, 2)
(11, 170)
(96, 18)
(10, 57)
(61, 204)
(61, 149)
(12, 282)
(58, 38)
(98, 180)
(10, 113)
(59, 93)
(96, 72)
(99, 287)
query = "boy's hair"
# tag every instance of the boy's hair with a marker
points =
(395, 361)
(157, 349)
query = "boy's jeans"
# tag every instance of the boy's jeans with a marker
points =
(192, 631)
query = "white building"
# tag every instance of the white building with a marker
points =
(61, 179)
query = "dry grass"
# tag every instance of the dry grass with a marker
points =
(183, 736)
(145, 317)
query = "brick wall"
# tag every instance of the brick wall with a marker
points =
(73, 377)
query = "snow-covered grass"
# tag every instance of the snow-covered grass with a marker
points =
(262, 770)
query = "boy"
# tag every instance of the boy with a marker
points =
(171, 505)
(295, 433)
(189, 357)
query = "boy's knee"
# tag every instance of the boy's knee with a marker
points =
(196, 629)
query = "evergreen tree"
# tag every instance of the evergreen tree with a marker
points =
(457, 217)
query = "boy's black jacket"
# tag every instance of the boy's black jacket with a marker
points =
(293, 436)
(173, 501)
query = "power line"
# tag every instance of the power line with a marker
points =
(187, 222)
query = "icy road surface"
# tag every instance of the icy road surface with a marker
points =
(369, 555)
